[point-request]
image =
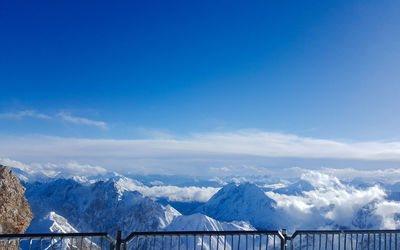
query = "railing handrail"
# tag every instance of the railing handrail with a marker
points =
(370, 231)
(53, 235)
(211, 233)
(280, 234)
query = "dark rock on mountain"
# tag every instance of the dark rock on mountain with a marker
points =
(15, 212)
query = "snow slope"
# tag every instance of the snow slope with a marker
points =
(196, 222)
(245, 202)
(315, 201)
(101, 206)
(65, 205)
(201, 222)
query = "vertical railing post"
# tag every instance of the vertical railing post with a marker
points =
(284, 239)
(118, 241)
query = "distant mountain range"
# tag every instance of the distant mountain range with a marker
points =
(115, 202)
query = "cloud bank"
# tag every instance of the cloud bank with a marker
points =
(262, 144)
(249, 151)
(334, 204)
(173, 193)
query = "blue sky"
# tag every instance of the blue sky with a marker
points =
(137, 70)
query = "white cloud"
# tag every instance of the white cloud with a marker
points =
(83, 169)
(260, 144)
(334, 201)
(157, 183)
(388, 211)
(239, 152)
(387, 176)
(23, 114)
(51, 170)
(320, 180)
(80, 120)
(17, 164)
(173, 193)
(64, 116)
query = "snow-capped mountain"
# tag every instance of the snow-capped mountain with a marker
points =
(101, 206)
(51, 222)
(201, 222)
(65, 205)
(111, 202)
(295, 188)
(245, 202)
(55, 223)
(393, 191)
(366, 217)
(196, 222)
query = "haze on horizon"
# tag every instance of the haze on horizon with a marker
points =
(201, 87)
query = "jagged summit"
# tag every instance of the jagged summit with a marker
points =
(85, 205)
(63, 204)
(245, 202)
(201, 222)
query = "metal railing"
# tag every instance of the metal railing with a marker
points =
(344, 239)
(92, 241)
(204, 240)
(207, 240)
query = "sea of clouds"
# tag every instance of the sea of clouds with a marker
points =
(333, 204)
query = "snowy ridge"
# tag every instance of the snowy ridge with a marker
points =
(60, 224)
(55, 223)
(245, 202)
(68, 206)
(316, 200)
(85, 205)
(200, 222)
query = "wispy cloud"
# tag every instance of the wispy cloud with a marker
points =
(61, 115)
(81, 120)
(23, 114)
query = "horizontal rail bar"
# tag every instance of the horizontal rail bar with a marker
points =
(343, 232)
(329, 237)
(206, 233)
(53, 235)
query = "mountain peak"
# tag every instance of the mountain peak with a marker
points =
(245, 202)
(201, 222)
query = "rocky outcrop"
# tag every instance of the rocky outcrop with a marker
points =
(15, 212)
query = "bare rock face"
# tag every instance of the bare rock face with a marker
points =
(15, 212)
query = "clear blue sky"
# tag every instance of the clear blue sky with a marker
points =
(137, 69)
